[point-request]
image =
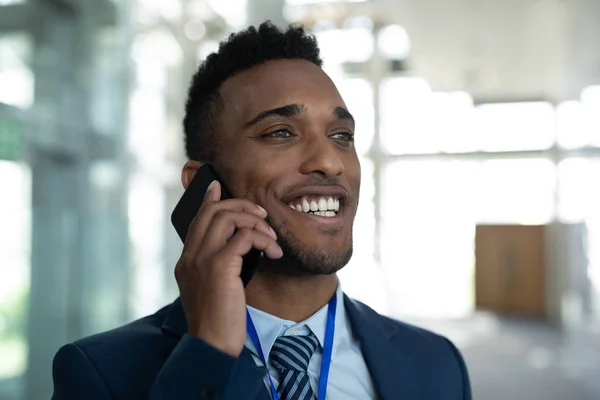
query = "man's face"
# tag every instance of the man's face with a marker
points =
(285, 142)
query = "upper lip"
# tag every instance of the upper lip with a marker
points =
(323, 191)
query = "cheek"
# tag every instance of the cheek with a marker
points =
(252, 177)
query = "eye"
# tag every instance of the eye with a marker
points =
(279, 133)
(343, 136)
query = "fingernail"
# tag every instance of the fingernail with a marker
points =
(273, 232)
(212, 185)
(261, 209)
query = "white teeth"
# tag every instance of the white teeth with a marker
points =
(331, 203)
(322, 204)
(314, 206)
(305, 206)
(325, 213)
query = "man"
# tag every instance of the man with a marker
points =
(274, 127)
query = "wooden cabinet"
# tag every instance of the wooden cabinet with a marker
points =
(510, 269)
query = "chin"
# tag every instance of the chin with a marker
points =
(304, 261)
(310, 251)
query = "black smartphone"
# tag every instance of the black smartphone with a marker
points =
(188, 207)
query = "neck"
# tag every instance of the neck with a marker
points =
(291, 298)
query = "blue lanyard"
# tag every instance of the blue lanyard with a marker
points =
(327, 348)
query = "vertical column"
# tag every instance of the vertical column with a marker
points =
(55, 199)
(52, 315)
(79, 266)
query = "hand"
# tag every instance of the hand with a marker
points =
(208, 272)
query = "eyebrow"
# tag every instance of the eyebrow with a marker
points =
(342, 113)
(292, 110)
(289, 110)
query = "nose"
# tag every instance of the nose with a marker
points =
(322, 157)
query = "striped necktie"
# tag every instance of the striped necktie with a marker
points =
(291, 355)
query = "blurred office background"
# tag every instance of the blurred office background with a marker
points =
(479, 137)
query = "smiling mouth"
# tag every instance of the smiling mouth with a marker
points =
(324, 206)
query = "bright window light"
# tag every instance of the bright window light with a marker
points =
(519, 191)
(579, 121)
(404, 106)
(430, 205)
(146, 218)
(394, 42)
(16, 77)
(428, 229)
(416, 120)
(363, 278)
(15, 239)
(579, 197)
(146, 128)
(515, 126)
(572, 125)
(590, 99)
(358, 96)
(11, 2)
(335, 43)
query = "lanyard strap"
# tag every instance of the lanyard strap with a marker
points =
(327, 348)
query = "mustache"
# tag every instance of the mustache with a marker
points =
(318, 181)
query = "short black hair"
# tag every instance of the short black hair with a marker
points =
(241, 51)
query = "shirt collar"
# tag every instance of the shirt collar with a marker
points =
(269, 327)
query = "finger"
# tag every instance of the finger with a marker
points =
(231, 256)
(224, 225)
(205, 216)
(246, 239)
(213, 192)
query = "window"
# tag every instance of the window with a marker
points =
(579, 121)
(15, 214)
(579, 200)
(514, 126)
(436, 205)
(428, 205)
(16, 77)
(416, 120)
(516, 191)
(363, 277)
(11, 2)
(335, 42)
(146, 202)
(358, 96)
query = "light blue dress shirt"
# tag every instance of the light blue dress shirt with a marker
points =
(349, 377)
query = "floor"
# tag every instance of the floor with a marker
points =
(511, 359)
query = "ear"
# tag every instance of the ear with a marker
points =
(189, 171)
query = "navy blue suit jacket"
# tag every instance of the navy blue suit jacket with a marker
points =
(154, 358)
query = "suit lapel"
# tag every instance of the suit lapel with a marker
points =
(246, 370)
(391, 369)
